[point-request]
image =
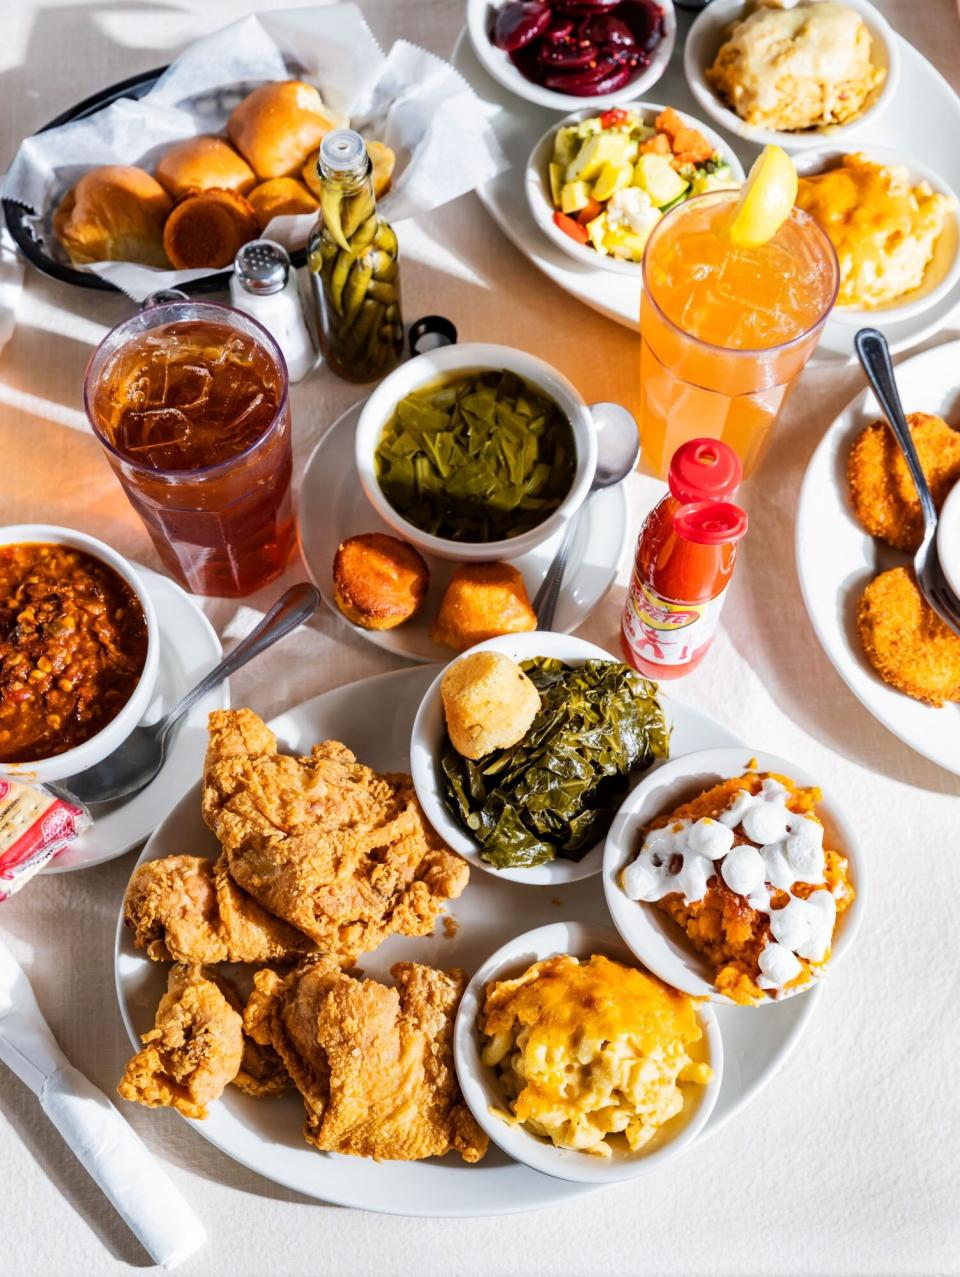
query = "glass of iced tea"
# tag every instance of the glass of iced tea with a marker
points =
(726, 330)
(190, 401)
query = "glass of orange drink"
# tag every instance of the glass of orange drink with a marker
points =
(725, 328)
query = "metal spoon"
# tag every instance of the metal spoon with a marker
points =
(874, 354)
(136, 762)
(618, 447)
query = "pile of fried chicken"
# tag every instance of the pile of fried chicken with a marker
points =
(321, 859)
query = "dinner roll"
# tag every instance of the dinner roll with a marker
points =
(277, 126)
(114, 214)
(489, 703)
(208, 228)
(382, 160)
(280, 197)
(198, 163)
(378, 580)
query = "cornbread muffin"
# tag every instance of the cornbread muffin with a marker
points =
(885, 231)
(882, 494)
(743, 871)
(482, 601)
(906, 642)
(379, 581)
(800, 68)
(207, 229)
(489, 703)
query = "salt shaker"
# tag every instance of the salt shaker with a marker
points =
(264, 286)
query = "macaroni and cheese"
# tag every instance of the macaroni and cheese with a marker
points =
(884, 229)
(589, 1051)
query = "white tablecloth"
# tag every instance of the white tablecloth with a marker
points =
(848, 1162)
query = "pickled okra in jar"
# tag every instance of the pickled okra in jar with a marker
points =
(352, 256)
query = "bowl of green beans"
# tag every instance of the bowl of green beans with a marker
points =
(476, 451)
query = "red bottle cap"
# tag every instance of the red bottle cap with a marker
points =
(710, 522)
(704, 470)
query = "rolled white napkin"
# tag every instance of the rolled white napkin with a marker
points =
(112, 1154)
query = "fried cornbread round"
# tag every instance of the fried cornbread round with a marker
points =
(208, 228)
(883, 496)
(379, 581)
(906, 642)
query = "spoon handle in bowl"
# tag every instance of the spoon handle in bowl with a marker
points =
(547, 597)
(294, 606)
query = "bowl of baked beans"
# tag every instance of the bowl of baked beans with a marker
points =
(79, 648)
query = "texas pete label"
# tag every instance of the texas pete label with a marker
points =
(669, 633)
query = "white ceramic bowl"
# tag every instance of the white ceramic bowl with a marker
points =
(497, 62)
(948, 539)
(473, 357)
(537, 186)
(119, 728)
(943, 271)
(481, 1089)
(426, 745)
(709, 32)
(653, 937)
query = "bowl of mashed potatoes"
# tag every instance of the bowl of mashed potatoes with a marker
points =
(581, 1064)
(895, 225)
(793, 75)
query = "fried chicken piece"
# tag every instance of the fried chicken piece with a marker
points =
(262, 1072)
(192, 1052)
(374, 1064)
(189, 909)
(883, 496)
(906, 642)
(342, 853)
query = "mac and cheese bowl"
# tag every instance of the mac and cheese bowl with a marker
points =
(578, 1062)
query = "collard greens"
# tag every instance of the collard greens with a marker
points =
(556, 791)
(481, 457)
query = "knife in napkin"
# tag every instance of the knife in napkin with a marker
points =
(110, 1151)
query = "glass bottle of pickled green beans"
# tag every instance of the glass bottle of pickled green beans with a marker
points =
(352, 255)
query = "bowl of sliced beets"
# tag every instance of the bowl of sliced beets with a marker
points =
(569, 53)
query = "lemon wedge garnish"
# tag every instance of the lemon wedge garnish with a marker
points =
(766, 199)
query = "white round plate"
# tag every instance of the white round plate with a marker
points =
(332, 506)
(923, 95)
(374, 718)
(189, 647)
(836, 558)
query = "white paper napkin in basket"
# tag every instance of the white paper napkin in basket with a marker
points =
(410, 99)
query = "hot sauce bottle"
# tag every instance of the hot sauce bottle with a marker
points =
(684, 562)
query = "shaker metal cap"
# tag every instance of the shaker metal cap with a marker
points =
(262, 266)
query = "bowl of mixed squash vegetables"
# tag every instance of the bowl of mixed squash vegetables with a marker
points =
(598, 183)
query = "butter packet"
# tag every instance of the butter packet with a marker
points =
(35, 826)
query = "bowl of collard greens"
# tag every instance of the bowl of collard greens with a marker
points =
(538, 811)
(476, 452)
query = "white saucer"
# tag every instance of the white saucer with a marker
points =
(836, 558)
(923, 95)
(189, 647)
(331, 507)
(374, 718)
